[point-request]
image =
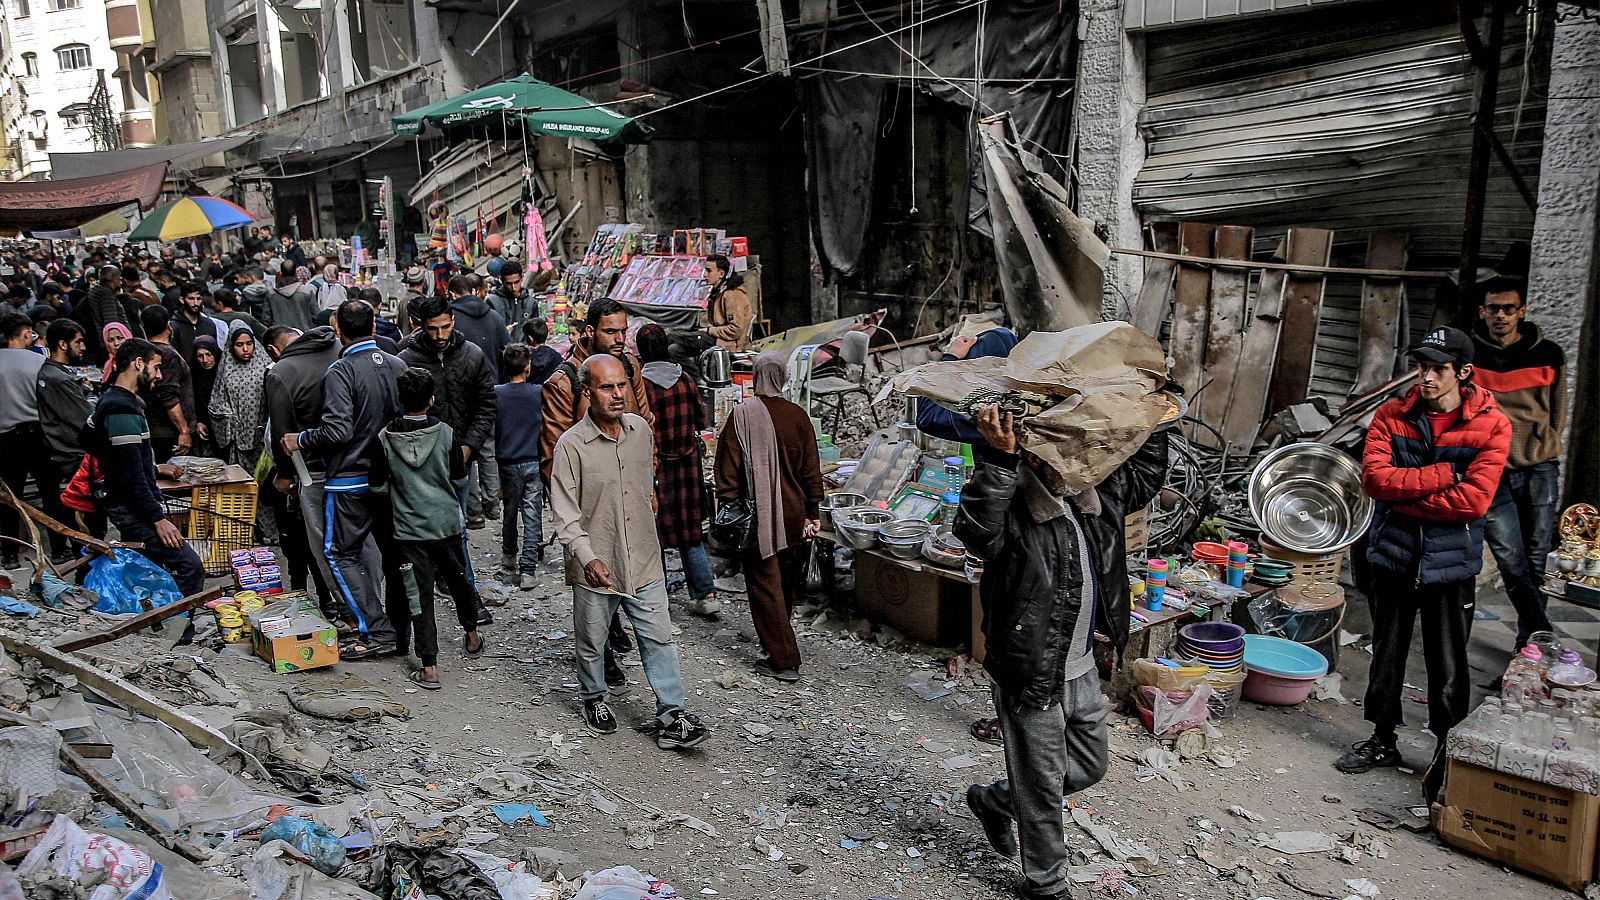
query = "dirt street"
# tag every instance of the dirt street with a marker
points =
(849, 785)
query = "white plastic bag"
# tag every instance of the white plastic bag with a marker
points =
(1173, 714)
(622, 883)
(70, 851)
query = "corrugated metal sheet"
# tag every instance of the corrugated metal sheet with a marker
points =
(1139, 14)
(1331, 120)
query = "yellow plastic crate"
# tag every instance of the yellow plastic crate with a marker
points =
(222, 518)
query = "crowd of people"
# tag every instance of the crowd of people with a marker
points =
(378, 444)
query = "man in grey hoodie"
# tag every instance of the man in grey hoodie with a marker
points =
(292, 302)
(359, 397)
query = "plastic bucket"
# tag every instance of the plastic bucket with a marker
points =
(1280, 656)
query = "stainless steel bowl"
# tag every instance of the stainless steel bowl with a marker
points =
(903, 538)
(1308, 498)
(858, 527)
(945, 550)
(838, 500)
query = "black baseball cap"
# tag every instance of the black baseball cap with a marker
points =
(1444, 345)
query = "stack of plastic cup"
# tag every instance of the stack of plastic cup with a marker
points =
(1238, 559)
(1155, 583)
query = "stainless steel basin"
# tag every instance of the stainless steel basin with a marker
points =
(1308, 498)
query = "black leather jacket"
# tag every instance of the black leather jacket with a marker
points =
(1032, 578)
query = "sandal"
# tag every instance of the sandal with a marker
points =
(987, 731)
(471, 653)
(415, 676)
(357, 650)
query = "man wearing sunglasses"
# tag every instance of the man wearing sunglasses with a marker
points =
(1527, 374)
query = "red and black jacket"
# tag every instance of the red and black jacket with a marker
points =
(1432, 495)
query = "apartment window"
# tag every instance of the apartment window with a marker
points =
(70, 58)
(383, 37)
(59, 5)
(300, 39)
(30, 63)
(22, 9)
(243, 69)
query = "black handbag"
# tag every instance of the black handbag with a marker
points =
(734, 524)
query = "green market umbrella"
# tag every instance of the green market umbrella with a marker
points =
(543, 107)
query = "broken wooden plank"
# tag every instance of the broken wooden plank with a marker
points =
(139, 622)
(1154, 302)
(1225, 333)
(1301, 268)
(1297, 333)
(130, 697)
(1190, 294)
(129, 807)
(1383, 302)
(1248, 395)
(43, 518)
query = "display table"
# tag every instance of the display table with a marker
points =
(217, 517)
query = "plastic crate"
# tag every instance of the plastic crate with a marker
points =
(222, 518)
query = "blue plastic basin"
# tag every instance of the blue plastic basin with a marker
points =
(1279, 656)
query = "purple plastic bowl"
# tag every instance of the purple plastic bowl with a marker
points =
(1222, 638)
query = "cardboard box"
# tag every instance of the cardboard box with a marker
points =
(296, 643)
(1546, 831)
(919, 604)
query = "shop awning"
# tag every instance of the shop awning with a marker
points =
(81, 165)
(70, 202)
(542, 107)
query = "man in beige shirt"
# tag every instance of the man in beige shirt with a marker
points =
(603, 470)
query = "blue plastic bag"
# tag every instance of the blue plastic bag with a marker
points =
(321, 847)
(128, 583)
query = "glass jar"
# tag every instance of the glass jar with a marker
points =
(1536, 730)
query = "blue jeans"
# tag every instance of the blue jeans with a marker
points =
(1520, 529)
(697, 569)
(524, 494)
(647, 609)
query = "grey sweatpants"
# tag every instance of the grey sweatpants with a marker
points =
(1050, 753)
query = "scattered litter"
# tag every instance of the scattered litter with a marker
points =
(1347, 638)
(762, 846)
(642, 833)
(603, 803)
(1327, 688)
(349, 699)
(930, 686)
(964, 761)
(1300, 842)
(1363, 887)
(1377, 818)
(1138, 857)
(512, 813)
(1160, 761)
(17, 607)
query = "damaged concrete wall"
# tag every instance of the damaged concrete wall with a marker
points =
(1109, 149)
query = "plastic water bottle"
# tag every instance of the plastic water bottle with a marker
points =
(948, 504)
(953, 473)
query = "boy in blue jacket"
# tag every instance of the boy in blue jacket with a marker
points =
(422, 469)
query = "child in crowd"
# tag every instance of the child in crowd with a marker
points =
(519, 420)
(422, 470)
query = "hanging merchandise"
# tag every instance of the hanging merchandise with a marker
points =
(535, 240)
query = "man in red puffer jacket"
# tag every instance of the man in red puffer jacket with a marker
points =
(1432, 462)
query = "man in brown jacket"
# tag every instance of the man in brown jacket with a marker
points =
(605, 330)
(728, 311)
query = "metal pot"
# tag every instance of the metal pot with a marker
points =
(716, 367)
(1308, 498)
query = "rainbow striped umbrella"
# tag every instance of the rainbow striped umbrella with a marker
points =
(189, 217)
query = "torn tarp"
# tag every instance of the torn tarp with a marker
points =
(1026, 54)
(1052, 266)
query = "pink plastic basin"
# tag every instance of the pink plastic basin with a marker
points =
(1276, 690)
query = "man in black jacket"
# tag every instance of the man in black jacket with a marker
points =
(1054, 565)
(64, 407)
(465, 399)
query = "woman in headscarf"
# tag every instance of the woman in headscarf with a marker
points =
(203, 368)
(330, 293)
(774, 440)
(680, 492)
(238, 405)
(111, 337)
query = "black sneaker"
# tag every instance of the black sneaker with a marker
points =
(597, 715)
(1366, 756)
(996, 827)
(682, 733)
(787, 676)
(615, 677)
